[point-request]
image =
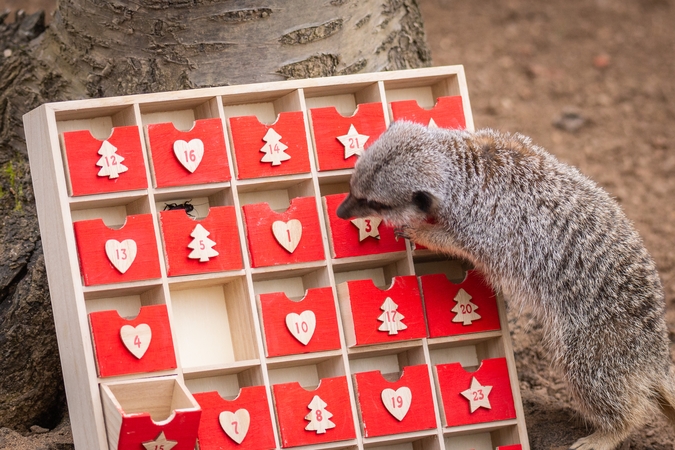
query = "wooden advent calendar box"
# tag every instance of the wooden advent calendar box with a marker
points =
(206, 294)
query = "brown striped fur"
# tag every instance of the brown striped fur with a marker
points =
(549, 238)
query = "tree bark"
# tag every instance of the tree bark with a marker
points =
(96, 48)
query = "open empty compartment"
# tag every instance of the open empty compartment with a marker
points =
(440, 101)
(499, 437)
(102, 150)
(346, 120)
(268, 135)
(150, 411)
(213, 324)
(421, 440)
(186, 141)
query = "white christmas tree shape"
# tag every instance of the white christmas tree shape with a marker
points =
(274, 150)
(391, 318)
(318, 416)
(201, 245)
(110, 162)
(464, 309)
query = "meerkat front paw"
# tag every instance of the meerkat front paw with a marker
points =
(403, 231)
(598, 441)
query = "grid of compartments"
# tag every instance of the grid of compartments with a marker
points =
(205, 291)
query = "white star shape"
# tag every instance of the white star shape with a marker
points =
(160, 442)
(432, 124)
(353, 142)
(477, 395)
(368, 226)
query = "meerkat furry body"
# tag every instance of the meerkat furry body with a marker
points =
(549, 238)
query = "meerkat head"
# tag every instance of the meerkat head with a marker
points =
(397, 178)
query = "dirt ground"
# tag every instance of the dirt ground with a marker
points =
(591, 81)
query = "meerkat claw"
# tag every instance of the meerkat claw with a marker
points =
(401, 232)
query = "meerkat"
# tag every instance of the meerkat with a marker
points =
(549, 238)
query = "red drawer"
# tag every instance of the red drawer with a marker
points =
(452, 309)
(115, 256)
(188, 157)
(293, 236)
(309, 325)
(270, 150)
(201, 246)
(340, 140)
(142, 344)
(242, 423)
(379, 316)
(314, 417)
(395, 407)
(447, 113)
(112, 165)
(358, 237)
(475, 397)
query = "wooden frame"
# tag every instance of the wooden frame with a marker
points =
(215, 316)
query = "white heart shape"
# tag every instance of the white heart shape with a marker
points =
(136, 339)
(121, 254)
(235, 424)
(287, 234)
(301, 325)
(397, 401)
(189, 154)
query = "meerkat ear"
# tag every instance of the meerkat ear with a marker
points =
(424, 201)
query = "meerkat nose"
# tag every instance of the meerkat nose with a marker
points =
(344, 211)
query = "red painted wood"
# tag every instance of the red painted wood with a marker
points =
(453, 379)
(290, 403)
(221, 222)
(247, 140)
(113, 358)
(91, 236)
(167, 168)
(365, 300)
(263, 246)
(328, 124)
(138, 428)
(260, 435)
(82, 155)
(439, 294)
(377, 420)
(448, 112)
(344, 235)
(279, 341)
(510, 447)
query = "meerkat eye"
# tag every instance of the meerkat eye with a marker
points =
(423, 200)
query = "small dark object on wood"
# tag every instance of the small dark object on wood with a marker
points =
(187, 206)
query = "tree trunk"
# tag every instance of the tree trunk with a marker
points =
(96, 48)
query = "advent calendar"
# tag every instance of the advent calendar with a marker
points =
(206, 295)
